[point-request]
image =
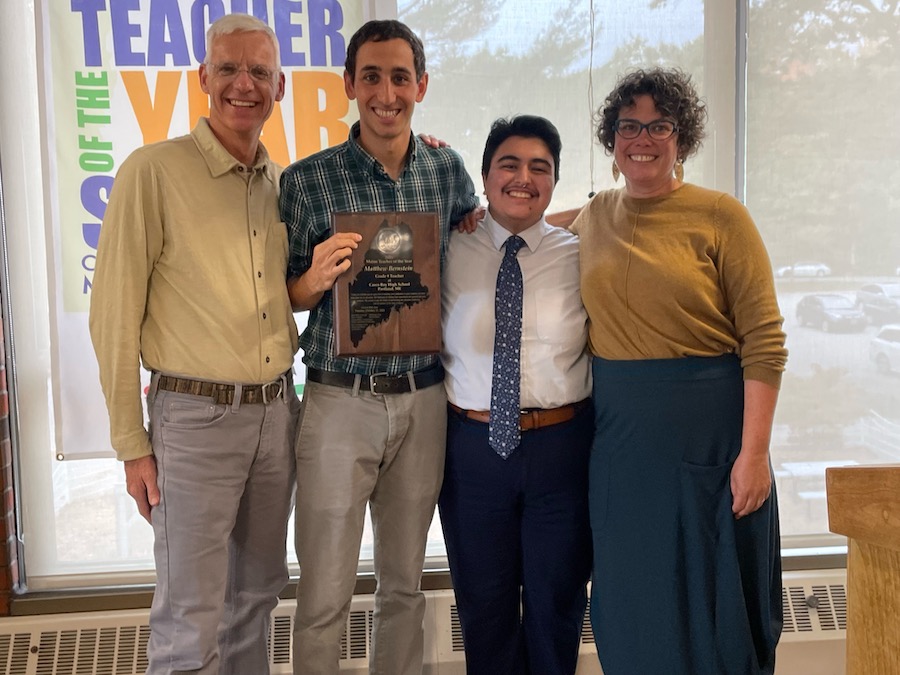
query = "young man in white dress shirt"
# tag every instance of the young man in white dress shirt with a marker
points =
(517, 531)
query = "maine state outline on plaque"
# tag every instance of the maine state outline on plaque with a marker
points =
(387, 281)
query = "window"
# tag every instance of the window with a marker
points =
(817, 157)
(823, 155)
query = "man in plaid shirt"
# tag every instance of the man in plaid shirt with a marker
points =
(373, 429)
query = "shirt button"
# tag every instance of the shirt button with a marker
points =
(259, 275)
(267, 359)
(254, 233)
(264, 315)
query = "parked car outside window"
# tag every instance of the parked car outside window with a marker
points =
(880, 302)
(884, 350)
(804, 269)
(830, 312)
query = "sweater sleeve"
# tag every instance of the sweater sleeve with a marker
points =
(749, 288)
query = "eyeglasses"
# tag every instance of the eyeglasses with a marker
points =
(229, 71)
(659, 130)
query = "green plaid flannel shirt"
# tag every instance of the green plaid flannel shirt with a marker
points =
(347, 178)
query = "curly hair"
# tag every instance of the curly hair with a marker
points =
(674, 95)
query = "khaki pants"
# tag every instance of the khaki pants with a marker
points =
(353, 450)
(226, 477)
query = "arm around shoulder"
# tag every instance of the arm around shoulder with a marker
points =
(563, 218)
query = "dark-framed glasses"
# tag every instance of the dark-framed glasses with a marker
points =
(229, 71)
(659, 130)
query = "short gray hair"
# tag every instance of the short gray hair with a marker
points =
(240, 23)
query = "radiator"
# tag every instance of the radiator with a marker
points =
(114, 643)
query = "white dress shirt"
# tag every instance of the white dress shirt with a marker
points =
(555, 363)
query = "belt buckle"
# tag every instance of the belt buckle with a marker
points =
(529, 418)
(373, 383)
(278, 386)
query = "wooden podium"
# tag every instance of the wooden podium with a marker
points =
(864, 505)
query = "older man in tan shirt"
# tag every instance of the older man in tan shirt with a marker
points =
(190, 279)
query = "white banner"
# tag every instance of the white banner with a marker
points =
(123, 73)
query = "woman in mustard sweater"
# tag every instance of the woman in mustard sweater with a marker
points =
(686, 334)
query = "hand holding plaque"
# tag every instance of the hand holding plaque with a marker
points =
(389, 301)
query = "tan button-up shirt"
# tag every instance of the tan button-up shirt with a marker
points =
(190, 276)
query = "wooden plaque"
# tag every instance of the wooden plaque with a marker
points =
(389, 301)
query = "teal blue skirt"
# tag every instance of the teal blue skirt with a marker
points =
(679, 586)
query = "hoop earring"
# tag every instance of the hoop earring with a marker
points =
(615, 172)
(679, 170)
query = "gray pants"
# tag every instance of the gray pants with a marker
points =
(226, 478)
(353, 450)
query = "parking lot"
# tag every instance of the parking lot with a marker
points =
(812, 349)
(835, 408)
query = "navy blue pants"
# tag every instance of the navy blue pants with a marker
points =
(519, 544)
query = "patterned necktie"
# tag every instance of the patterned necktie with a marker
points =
(503, 431)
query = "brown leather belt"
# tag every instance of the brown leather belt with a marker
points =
(530, 419)
(223, 394)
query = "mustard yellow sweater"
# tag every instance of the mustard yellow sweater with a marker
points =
(685, 274)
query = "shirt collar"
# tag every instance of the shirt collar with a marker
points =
(367, 163)
(219, 160)
(499, 234)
